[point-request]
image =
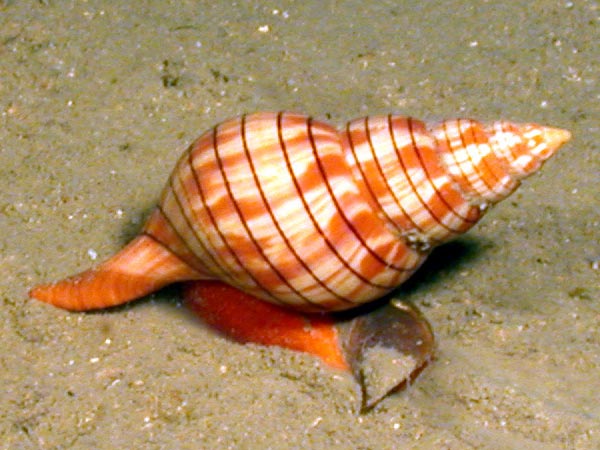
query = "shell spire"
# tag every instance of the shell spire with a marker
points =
(487, 162)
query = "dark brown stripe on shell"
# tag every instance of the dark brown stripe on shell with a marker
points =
(347, 221)
(490, 170)
(214, 222)
(463, 139)
(195, 262)
(438, 193)
(215, 264)
(473, 192)
(273, 219)
(307, 207)
(385, 181)
(423, 165)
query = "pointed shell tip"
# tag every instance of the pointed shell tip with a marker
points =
(555, 137)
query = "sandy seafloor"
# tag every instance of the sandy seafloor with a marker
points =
(97, 100)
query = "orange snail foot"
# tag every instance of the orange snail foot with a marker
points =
(384, 348)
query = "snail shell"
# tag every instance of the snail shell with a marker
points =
(296, 212)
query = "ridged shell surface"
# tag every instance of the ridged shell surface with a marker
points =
(293, 211)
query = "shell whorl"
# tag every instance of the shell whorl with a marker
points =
(293, 211)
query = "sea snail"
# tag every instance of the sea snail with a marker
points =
(298, 213)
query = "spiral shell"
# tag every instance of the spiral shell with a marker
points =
(296, 212)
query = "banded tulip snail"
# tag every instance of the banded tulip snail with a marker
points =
(293, 211)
